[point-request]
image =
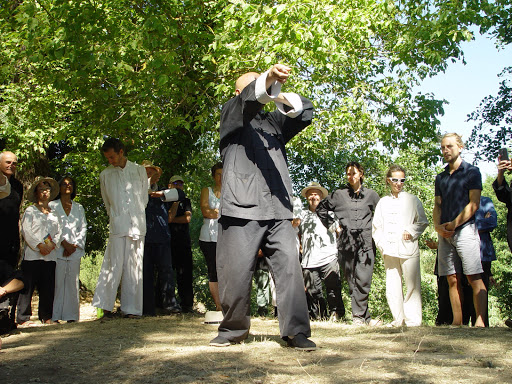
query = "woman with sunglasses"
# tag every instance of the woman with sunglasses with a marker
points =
(398, 223)
(353, 208)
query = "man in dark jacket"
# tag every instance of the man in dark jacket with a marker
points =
(504, 194)
(10, 214)
(256, 205)
(180, 215)
(10, 211)
(157, 252)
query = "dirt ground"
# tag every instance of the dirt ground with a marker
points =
(174, 349)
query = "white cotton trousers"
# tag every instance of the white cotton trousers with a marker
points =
(122, 264)
(404, 308)
(66, 302)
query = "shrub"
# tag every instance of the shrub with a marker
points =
(90, 269)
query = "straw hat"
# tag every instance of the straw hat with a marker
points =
(149, 164)
(31, 196)
(176, 178)
(213, 317)
(315, 185)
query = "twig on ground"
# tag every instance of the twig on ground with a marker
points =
(417, 349)
(305, 370)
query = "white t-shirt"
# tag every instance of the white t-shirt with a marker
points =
(209, 230)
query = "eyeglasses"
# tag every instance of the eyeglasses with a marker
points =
(177, 183)
(395, 180)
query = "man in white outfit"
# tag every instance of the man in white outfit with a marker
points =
(124, 189)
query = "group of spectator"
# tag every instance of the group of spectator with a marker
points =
(345, 227)
(54, 230)
(393, 224)
(249, 217)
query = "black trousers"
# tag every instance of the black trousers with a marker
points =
(358, 269)
(329, 274)
(41, 275)
(182, 263)
(237, 247)
(8, 302)
(157, 261)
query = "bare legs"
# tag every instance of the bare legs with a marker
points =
(479, 297)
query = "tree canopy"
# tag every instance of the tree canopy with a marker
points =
(156, 74)
(493, 117)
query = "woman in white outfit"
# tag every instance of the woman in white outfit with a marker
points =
(398, 223)
(210, 203)
(41, 229)
(66, 304)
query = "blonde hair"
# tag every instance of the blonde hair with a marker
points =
(393, 168)
(458, 138)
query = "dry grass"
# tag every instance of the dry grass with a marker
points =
(174, 349)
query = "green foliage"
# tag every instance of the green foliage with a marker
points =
(501, 19)
(501, 293)
(502, 270)
(90, 267)
(493, 116)
(378, 304)
(156, 74)
(494, 121)
(429, 298)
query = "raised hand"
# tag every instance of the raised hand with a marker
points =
(279, 72)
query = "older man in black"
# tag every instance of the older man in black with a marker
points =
(10, 211)
(256, 205)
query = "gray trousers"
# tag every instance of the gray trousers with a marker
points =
(358, 269)
(237, 246)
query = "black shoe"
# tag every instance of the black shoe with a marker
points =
(131, 316)
(175, 309)
(301, 343)
(508, 323)
(220, 341)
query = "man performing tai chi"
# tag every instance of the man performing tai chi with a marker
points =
(256, 205)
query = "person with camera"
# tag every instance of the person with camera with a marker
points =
(503, 192)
